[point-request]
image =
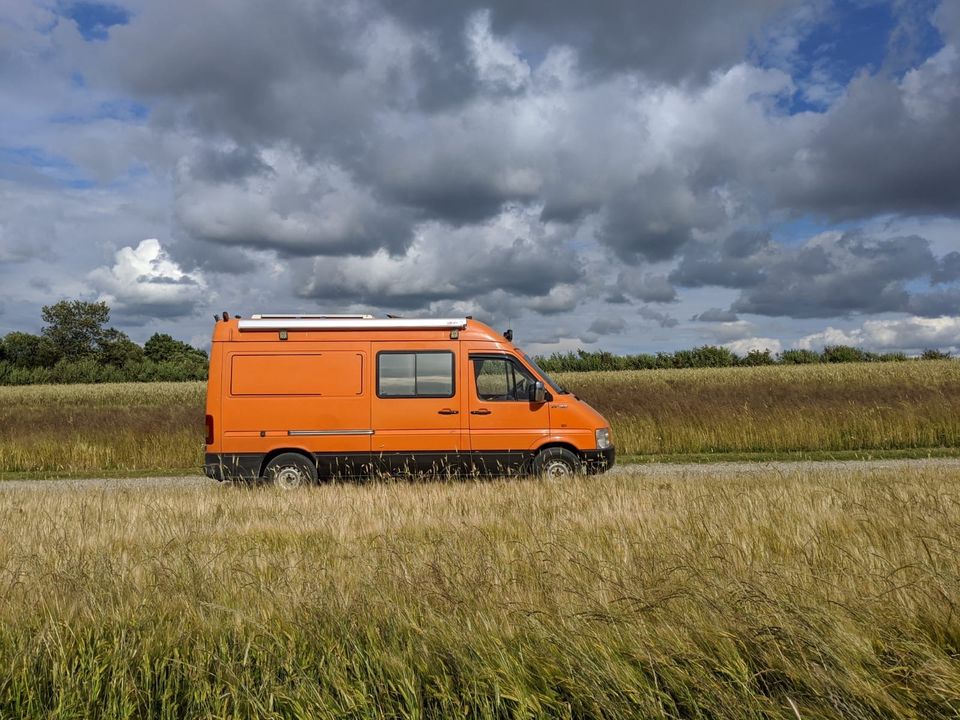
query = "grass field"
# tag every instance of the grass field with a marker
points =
(767, 411)
(808, 594)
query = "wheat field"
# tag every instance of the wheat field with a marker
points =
(158, 427)
(795, 593)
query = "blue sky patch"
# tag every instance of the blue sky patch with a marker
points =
(857, 36)
(123, 110)
(95, 19)
(24, 162)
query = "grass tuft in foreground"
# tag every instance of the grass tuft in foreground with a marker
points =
(623, 595)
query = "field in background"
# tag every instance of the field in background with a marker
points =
(808, 594)
(860, 406)
(905, 408)
(113, 428)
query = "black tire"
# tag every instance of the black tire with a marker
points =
(290, 471)
(556, 464)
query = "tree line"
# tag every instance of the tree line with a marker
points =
(76, 346)
(711, 356)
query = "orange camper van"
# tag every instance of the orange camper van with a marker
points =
(296, 398)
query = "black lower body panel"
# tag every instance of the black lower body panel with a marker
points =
(229, 466)
(598, 461)
(248, 466)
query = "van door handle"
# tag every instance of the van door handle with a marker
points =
(484, 411)
(448, 411)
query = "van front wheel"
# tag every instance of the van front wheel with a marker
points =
(289, 471)
(556, 464)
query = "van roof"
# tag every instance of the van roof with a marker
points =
(271, 322)
(316, 327)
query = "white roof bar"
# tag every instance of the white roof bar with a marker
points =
(269, 323)
(310, 317)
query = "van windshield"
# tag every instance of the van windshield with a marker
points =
(549, 380)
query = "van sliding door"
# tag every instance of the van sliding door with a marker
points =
(416, 406)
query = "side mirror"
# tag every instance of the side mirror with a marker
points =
(538, 393)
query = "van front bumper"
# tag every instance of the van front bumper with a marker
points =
(598, 461)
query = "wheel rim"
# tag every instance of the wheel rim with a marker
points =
(288, 477)
(557, 469)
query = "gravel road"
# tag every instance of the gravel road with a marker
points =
(652, 470)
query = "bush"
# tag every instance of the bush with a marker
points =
(705, 356)
(931, 354)
(844, 353)
(799, 357)
(755, 358)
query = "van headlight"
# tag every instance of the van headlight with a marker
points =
(603, 439)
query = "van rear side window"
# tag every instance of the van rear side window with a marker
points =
(415, 374)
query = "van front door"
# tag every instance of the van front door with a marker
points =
(505, 425)
(416, 413)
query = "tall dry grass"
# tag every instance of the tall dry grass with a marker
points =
(625, 595)
(140, 427)
(857, 406)
(121, 427)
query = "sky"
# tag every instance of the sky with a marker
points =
(627, 175)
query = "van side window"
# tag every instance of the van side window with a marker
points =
(501, 379)
(415, 374)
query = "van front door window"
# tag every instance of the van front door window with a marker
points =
(501, 379)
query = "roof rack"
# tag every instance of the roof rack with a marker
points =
(311, 317)
(287, 322)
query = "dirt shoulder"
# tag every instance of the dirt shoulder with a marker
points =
(638, 470)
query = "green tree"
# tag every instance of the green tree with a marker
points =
(75, 327)
(932, 354)
(116, 349)
(162, 348)
(30, 351)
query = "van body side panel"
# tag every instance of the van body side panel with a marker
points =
(309, 395)
(573, 422)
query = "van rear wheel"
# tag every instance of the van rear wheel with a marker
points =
(290, 471)
(556, 464)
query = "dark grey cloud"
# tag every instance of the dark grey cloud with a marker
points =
(655, 218)
(736, 262)
(645, 287)
(716, 315)
(666, 41)
(213, 164)
(290, 206)
(453, 264)
(935, 303)
(661, 318)
(241, 67)
(829, 275)
(886, 147)
(607, 325)
(949, 269)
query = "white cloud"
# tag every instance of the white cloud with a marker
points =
(145, 281)
(911, 334)
(742, 347)
(498, 63)
(287, 203)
